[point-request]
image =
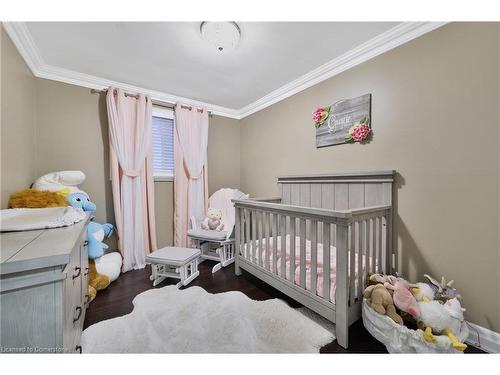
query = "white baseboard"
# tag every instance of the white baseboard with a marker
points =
(489, 340)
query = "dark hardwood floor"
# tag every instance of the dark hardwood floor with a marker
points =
(116, 301)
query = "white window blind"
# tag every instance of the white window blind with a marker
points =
(162, 129)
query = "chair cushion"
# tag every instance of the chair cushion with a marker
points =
(176, 256)
(207, 235)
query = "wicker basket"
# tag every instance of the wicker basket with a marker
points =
(400, 339)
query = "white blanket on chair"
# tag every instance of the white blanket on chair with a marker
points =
(221, 199)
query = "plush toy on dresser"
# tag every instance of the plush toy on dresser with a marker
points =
(103, 268)
(96, 233)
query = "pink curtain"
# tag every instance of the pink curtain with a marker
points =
(132, 175)
(190, 182)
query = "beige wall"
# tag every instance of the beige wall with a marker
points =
(223, 153)
(73, 134)
(17, 121)
(436, 121)
(435, 118)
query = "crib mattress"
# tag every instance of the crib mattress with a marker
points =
(260, 254)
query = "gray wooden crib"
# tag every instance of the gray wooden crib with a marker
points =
(319, 240)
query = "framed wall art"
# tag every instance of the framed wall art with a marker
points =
(345, 121)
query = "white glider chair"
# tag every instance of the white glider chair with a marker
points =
(217, 245)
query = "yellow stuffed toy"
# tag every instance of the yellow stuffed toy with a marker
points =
(97, 281)
(33, 198)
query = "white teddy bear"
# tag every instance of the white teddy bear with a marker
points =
(213, 221)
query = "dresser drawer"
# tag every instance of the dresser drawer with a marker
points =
(74, 307)
(85, 271)
(43, 288)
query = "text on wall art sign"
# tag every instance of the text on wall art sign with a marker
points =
(345, 121)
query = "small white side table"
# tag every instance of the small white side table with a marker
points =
(176, 262)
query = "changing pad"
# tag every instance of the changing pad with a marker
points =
(19, 219)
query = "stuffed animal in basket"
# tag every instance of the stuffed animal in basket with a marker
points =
(443, 291)
(423, 292)
(377, 278)
(447, 318)
(213, 221)
(403, 298)
(380, 300)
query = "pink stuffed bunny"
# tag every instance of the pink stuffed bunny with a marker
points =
(403, 298)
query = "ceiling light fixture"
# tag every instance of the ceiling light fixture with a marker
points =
(223, 35)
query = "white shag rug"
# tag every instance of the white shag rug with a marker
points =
(168, 320)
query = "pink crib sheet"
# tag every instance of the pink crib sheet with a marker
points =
(261, 256)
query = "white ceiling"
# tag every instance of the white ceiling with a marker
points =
(171, 56)
(169, 60)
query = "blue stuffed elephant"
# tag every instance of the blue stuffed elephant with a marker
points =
(96, 232)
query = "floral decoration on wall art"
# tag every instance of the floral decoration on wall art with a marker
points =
(320, 115)
(360, 132)
(345, 121)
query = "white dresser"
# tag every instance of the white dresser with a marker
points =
(43, 289)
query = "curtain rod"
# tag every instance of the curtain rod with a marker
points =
(165, 104)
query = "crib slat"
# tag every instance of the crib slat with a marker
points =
(314, 256)
(375, 243)
(359, 241)
(292, 249)
(283, 246)
(237, 232)
(352, 264)
(385, 254)
(260, 251)
(366, 246)
(326, 261)
(302, 280)
(275, 223)
(388, 242)
(379, 245)
(254, 236)
(266, 237)
(372, 245)
(241, 229)
(247, 234)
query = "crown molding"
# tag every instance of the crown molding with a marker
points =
(384, 42)
(21, 37)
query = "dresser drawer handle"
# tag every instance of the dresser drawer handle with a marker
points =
(78, 349)
(86, 271)
(85, 243)
(78, 271)
(87, 297)
(79, 309)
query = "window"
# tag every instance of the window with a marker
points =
(162, 129)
